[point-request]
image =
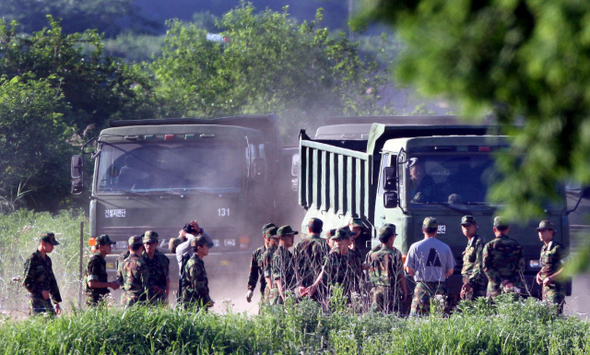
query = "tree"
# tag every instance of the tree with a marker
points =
(522, 60)
(95, 86)
(268, 64)
(32, 144)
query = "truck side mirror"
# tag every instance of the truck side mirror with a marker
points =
(389, 179)
(390, 199)
(77, 172)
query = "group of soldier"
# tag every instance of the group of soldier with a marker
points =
(317, 265)
(314, 268)
(142, 272)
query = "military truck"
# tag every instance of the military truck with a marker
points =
(371, 178)
(159, 174)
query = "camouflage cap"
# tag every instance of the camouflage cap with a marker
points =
(315, 224)
(355, 222)
(202, 240)
(341, 234)
(104, 240)
(331, 233)
(173, 244)
(267, 226)
(188, 228)
(150, 237)
(387, 230)
(48, 237)
(135, 240)
(500, 222)
(545, 225)
(468, 220)
(430, 223)
(271, 232)
(286, 230)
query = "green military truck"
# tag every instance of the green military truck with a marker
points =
(159, 174)
(368, 176)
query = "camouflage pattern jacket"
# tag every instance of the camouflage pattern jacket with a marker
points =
(385, 267)
(552, 258)
(472, 261)
(157, 275)
(119, 266)
(309, 257)
(96, 270)
(265, 263)
(283, 268)
(344, 270)
(135, 277)
(39, 277)
(256, 271)
(196, 284)
(503, 260)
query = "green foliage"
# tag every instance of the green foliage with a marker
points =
(32, 144)
(525, 327)
(77, 16)
(96, 87)
(268, 64)
(134, 48)
(526, 59)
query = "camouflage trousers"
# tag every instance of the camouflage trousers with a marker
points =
(38, 305)
(479, 288)
(424, 292)
(494, 289)
(386, 299)
(555, 293)
(96, 300)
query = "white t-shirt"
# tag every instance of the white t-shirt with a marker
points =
(430, 259)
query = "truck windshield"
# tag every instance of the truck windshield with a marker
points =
(149, 167)
(449, 178)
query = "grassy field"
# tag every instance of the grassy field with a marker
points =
(509, 327)
(19, 233)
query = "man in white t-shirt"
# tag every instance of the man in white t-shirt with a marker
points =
(430, 262)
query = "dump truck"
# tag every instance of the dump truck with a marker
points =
(158, 174)
(367, 175)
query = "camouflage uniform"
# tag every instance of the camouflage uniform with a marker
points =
(95, 270)
(385, 268)
(135, 282)
(283, 269)
(157, 274)
(472, 272)
(344, 270)
(39, 277)
(119, 266)
(309, 257)
(503, 261)
(196, 285)
(256, 271)
(265, 265)
(552, 256)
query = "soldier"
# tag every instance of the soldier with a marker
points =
(175, 242)
(158, 266)
(95, 276)
(283, 266)
(430, 262)
(265, 264)
(184, 251)
(552, 258)
(340, 267)
(256, 271)
(474, 280)
(195, 283)
(309, 256)
(503, 261)
(135, 274)
(356, 227)
(387, 273)
(39, 279)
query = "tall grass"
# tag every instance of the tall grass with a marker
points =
(19, 232)
(508, 327)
